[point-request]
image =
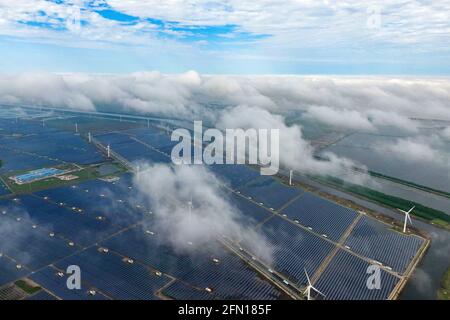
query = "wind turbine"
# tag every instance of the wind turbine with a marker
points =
(407, 217)
(190, 208)
(309, 287)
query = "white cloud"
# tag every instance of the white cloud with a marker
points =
(412, 150)
(363, 102)
(350, 119)
(255, 102)
(292, 25)
(446, 133)
(294, 151)
(400, 21)
(170, 189)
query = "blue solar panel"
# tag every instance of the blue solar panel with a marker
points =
(181, 291)
(295, 249)
(81, 228)
(150, 249)
(323, 216)
(270, 192)
(49, 279)
(346, 278)
(114, 277)
(142, 131)
(15, 161)
(67, 147)
(230, 278)
(118, 202)
(32, 208)
(156, 140)
(251, 212)
(135, 151)
(33, 248)
(9, 271)
(234, 175)
(377, 241)
(113, 139)
(3, 189)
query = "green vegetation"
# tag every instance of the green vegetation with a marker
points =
(421, 211)
(444, 292)
(25, 286)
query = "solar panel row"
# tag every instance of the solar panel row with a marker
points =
(347, 278)
(30, 247)
(377, 241)
(295, 249)
(181, 291)
(55, 281)
(115, 277)
(323, 216)
(9, 271)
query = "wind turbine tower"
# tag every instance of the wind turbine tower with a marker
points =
(190, 208)
(309, 287)
(407, 217)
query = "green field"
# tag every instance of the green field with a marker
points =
(429, 214)
(444, 292)
(25, 286)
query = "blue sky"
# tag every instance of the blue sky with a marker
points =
(232, 37)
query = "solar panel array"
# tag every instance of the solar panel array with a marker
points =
(181, 291)
(270, 192)
(32, 248)
(25, 145)
(228, 278)
(375, 240)
(133, 144)
(347, 276)
(3, 189)
(9, 271)
(55, 228)
(111, 274)
(295, 249)
(323, 216)
(55, 281)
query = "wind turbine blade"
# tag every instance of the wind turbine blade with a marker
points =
(409, 218)
(410, 210)
(403, 211)
(307, 277)
(318, 291)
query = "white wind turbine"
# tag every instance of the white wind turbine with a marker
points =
(309, 287)
(407, 217)
(190, 205)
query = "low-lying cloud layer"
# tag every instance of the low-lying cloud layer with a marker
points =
(269, 102)
(171, 190)
(365, 102)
